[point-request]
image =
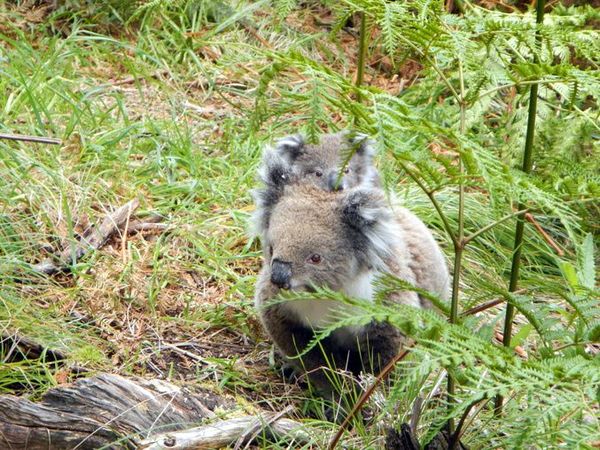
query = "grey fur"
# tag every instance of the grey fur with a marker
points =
(325, 165)
(357, 235)
(357, 238)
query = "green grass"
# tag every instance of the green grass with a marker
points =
(172, 103)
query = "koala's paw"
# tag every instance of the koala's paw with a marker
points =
(291, 373)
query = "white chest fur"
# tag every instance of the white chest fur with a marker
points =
(318, 314)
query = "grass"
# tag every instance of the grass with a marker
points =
(160, 103)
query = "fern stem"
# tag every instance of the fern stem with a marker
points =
(433, 201)
(489, 226)
(362, 51)
(527, 164)
(365, 396)
(459, 244)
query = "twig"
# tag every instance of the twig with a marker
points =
(26, 138)
(365, 396)
(529, 218)
(148, 226)
(184, 352)
(96, 239)
(253, 432)
(487, 305)
(132, 79)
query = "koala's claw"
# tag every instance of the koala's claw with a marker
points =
(290, 373)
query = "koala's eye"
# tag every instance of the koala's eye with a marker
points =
(318, 173)
(314, 258)
(271, 250)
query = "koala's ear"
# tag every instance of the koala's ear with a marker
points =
(290, 147)
(366, 212)
(274, 171)
(362, 144)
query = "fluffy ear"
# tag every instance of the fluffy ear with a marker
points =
(265, 199)
(366, 213)
(290, 147)
(275, 172)
(362, 144)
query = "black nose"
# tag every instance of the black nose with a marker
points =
(332, 181)
(281, 273)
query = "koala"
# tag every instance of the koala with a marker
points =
(325, 164)
(292, 161)
(340, 240)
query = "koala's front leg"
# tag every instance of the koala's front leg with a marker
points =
(291, 338)
(379, 344)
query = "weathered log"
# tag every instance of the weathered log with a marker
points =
(107, 410)
(111, 411)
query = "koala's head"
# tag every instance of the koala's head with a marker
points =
(326, 164)
(326, 239)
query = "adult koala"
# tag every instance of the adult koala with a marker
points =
(341, 241)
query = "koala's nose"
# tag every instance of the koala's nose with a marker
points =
(281, 273)
(332, 181)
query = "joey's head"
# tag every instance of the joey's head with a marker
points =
(327, 239)
(326, 164)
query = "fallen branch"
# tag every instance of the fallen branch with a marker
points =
(26, 138)
(110, 411)
(225, 432)
(17, 348)
(92, 240)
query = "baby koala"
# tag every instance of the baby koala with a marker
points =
(324, 165)
(336, 240)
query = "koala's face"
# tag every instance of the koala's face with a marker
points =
(306, 246)
(323, 164)
(324, 239)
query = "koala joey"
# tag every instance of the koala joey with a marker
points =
(326, 164)
(339, 240)
(291, 159)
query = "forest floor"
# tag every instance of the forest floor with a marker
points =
(160, 116)
(155, 112)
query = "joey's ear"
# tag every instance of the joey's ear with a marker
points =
(366, 212)
(362, 144)
(274, 170)
(290, 147)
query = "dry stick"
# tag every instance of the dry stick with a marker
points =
(26, 138)
(487, 305)
(527, 166)
(96, 239)
(252, 432)
(134, 78)
(148, 226)
(529, 218)
(365, 396)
